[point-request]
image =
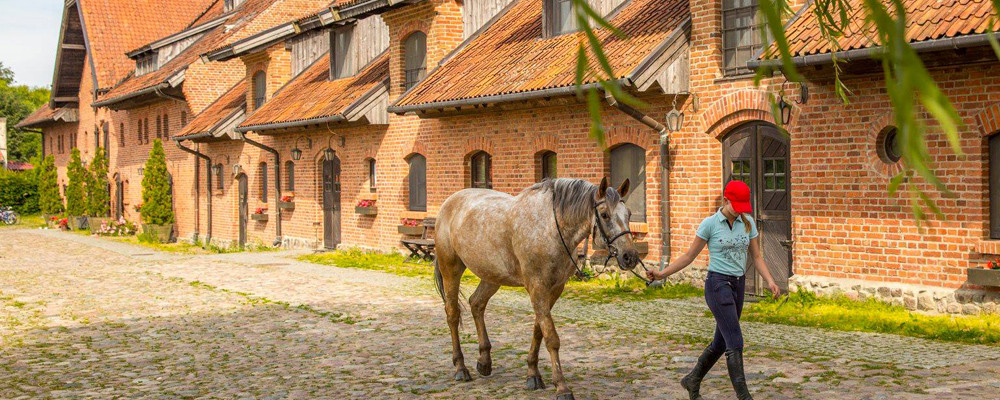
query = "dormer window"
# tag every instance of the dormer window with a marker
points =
(145, 64)
(415, 54)
(341, 59)
(229, 5)
(558, 17)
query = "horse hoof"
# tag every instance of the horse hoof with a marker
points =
(484, 369)
(535, 383)
(565, 396)
(463, 376)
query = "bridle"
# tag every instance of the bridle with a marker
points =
(598, 226)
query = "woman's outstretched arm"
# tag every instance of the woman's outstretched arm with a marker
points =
(758, 262)
(681, 262)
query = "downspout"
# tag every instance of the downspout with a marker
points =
(197, 189)
(277, 183)
(664, 172)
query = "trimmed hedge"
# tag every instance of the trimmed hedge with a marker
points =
(49, 199)
(157, 201)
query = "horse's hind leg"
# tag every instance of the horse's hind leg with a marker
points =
(542, 299)
(478, 301)
(451, 277)
(535, 381)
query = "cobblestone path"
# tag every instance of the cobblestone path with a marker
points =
(82, 317)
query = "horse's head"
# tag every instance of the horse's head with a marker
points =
(611, 219)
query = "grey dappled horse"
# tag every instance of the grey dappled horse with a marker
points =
(517, 241)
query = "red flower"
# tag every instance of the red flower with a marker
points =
(260, 210)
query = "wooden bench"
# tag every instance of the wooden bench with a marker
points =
(422, 248)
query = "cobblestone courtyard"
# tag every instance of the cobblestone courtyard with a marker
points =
(82, 317)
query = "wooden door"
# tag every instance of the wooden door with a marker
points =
(757, 153)
(119, 198)
(244, 208)
(331, 203)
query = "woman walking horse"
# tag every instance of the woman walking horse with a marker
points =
(525, 240)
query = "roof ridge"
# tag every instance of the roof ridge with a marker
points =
(202, 14)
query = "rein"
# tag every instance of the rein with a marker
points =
(612, 250)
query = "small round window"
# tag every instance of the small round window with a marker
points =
(888, 146)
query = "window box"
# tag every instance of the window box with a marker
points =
(366, 210)
(259, 217)
(984, 277)
(411, 230)
(286, 205)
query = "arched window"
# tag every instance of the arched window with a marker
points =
(166, 126)
(159, 127)
(548, 165)
(289, 176)
(218, 176)
(145, 129)
(259, 89)
(418, 183)
(629, 161)
(481, 171)
(121, 135)
(415, 54)
(371, 174)
(263, 182)
(184, 118)
(138, 131)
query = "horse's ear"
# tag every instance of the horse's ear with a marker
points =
(623, 188)
(603, 189)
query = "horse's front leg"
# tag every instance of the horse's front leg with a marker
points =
(543, 300)
(535, 381)
(478, 301)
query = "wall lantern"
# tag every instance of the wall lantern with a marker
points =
(329, 153)
(786, 111)
(237, 169)
(141, 171)
(217, 169)
(296, 152)
(675, 118)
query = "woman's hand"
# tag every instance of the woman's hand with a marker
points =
(775, 291)
(655, 275)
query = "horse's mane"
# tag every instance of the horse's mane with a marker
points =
(573, 197)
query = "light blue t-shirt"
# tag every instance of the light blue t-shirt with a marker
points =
(727, 246)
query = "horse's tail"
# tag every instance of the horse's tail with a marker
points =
(438, 280)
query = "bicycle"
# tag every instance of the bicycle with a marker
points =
(9, 216)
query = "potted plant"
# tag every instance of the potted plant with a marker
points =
(366, 207)
(411, 227)
(76, 201)
(98, 198)
(985, 276)
(48, 191)
(63, 223)
(259, 215)
(287, 201)
(157, 201)
(52, 221)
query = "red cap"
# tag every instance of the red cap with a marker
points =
(738, 194)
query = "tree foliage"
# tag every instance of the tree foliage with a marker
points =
(157, 200)
(98, 197)
(49, 199)
(16, 103)
(19, 190)
(76, 200)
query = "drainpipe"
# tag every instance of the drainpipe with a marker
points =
(664, 172)
(197, 190)
(277, 183)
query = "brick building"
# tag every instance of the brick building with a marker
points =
(292, 112)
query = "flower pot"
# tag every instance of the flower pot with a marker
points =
(259, 217)
(77, 223)
(366, 210)
(95, 223)
(286, 205)
(50, 222)
(411, 230)
(984, 277)
(163, 232)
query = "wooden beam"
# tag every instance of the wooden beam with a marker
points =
(70, 46)
(67, 99)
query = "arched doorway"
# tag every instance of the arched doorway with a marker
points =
(244, 208)
(757, 153)
(331, 202)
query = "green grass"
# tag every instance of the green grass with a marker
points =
(189, 248)
(27, 221)
(593, 290)
(843, 314)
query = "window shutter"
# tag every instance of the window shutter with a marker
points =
(418, 183)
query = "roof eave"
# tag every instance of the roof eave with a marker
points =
(290, 124)
(500, 98)
(951, 43)
(173, 81)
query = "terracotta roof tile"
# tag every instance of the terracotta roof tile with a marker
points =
(114, 27)
(925, 19)
(313, 95)
(46, 114)
(217, 112)
(250, 18)
(511, 56)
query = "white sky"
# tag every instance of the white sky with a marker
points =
(29, 30)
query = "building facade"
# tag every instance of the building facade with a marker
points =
(286, 117)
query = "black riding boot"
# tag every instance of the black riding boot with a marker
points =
(734, 361)
(692, 381)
